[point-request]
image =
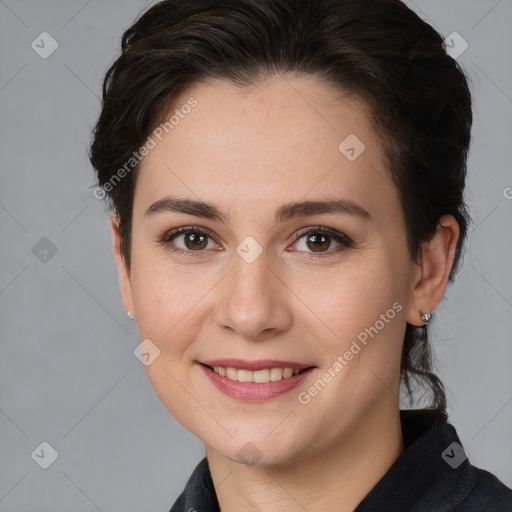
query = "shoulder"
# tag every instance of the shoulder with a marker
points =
(199, 493)
(488, 494)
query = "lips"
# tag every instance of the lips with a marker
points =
(242, 364)
(255, 381)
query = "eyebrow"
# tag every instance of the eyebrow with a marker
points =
(284, 213)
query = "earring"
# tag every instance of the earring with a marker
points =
(130, 315)
(425, 317)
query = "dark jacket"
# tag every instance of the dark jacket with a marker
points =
(433, 474)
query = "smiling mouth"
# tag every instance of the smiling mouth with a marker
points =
(259, 376)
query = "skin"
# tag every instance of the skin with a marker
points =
(248, 151)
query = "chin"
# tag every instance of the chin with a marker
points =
(251, 450)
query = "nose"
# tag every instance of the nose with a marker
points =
(254, 301)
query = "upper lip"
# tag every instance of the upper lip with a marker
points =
(242, 364)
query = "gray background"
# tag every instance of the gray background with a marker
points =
(68, 374)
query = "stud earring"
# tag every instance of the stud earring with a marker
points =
(425, 317)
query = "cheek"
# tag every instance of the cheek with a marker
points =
(171, 302)
(162, 297)
(168, 304)
(363, 313)
(352, 296)
(164, 304)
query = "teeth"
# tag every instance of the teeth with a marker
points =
(267, 375)
(276, 374)
(261, 376)
(231, 373)
(245, 376)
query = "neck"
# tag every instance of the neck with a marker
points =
(337, 478)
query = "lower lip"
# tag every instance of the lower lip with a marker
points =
(255, 391)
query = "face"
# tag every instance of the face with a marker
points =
(327, 290)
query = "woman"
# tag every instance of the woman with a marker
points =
(286, 180)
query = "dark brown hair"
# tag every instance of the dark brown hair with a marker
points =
(379, 51)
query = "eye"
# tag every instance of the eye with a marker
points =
(318, 240)
(194, 240)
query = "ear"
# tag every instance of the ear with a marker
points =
(122, 269)
(434, 270)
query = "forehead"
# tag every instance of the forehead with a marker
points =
(284, 139)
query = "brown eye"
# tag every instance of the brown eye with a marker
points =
(186, 241)
(195, 240)
(317, 241)
(190, 241)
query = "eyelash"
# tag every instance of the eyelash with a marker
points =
(344, 240)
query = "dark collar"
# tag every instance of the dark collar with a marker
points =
(431, 473)
(423, 478)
